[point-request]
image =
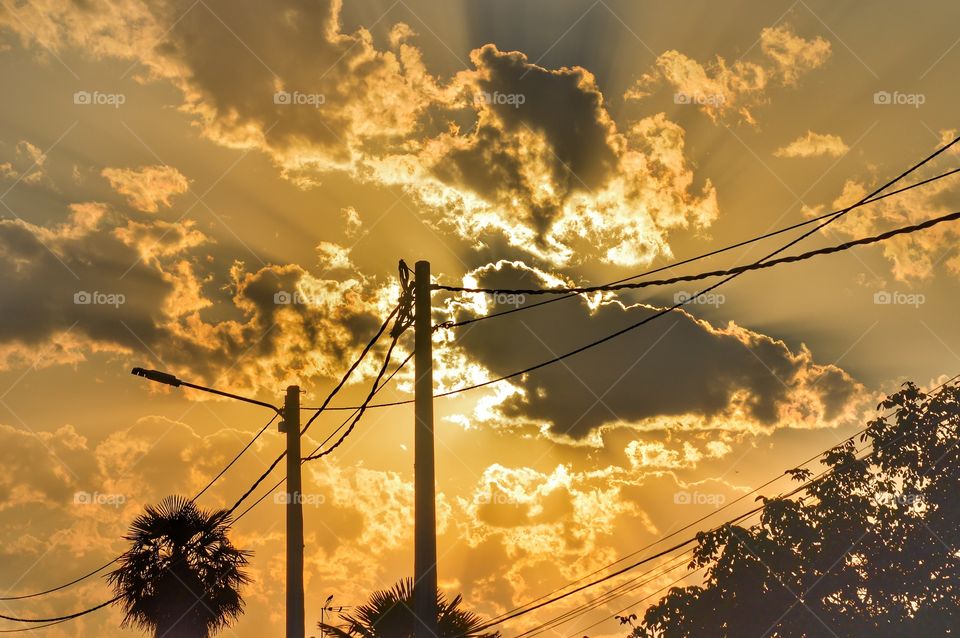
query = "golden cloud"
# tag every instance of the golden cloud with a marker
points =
(814, 145)
(26, 164)
(145, 288)
(720, 88)
(149, 187)
(915, 257)
(505, 152)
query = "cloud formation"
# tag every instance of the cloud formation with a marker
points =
(721, 88)
(505, 154)
(814, 145)
(915, 257)
(26, 164)
(149, 187)
(556, 177)
(677, 372)
(143, 288)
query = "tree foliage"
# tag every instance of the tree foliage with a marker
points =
(181, 577)
(871, 548)
(389, 613)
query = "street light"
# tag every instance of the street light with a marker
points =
(290, 425)
(169, 379)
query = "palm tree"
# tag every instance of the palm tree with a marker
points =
(181, 577)
(389, 614)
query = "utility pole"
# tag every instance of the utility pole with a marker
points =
(425, 503)
(291, 426)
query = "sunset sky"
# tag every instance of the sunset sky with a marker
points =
(171, 171)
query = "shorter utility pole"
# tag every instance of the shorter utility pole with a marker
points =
(425, 499)
(291, 426)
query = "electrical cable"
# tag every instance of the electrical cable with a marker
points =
(235, 458)
(932, 392)
(58, 619)
(232, 509)
(322, 443)
(636, 602)
(322, 407)
(611, 594)
(829, 250)
(457, 324)
(363, 406)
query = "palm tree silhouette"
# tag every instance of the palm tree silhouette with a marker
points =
(389, 614)
(181, 577)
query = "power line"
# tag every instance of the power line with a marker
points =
(611, 594)
(637, 602)
(363, 406)
(256, 483)
(324, 442)
(712, 253)
(583, 609)
(236, 458)
(221, 473)
(323, 406)
(14, 631)
(59, 619)
(643, 561)
(586, 607)
(829, 250)
(805, 486)
(65, 585)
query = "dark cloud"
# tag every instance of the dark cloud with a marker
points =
(102, 283)
(517, 98)
(674, 367)
(233, 62)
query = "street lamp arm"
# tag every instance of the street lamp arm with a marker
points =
(169, 379)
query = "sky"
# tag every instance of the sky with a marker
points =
(223, 190)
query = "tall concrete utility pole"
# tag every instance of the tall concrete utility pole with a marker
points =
(425, 503)
(294, 503)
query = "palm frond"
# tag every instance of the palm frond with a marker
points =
(180, 570)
